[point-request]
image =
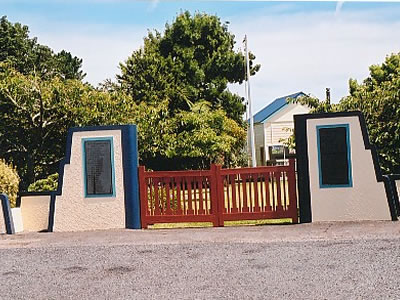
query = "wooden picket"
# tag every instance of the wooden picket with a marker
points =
(218, 195)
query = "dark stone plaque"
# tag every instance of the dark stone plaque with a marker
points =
(98, 167)
(334, 155)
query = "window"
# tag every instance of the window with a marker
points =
(98, 163)
(334, 159)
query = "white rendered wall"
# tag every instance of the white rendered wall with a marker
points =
(74, 212)
(2, 223)
(17, 219)
(35, 212)
(366, 200)
(398, 186)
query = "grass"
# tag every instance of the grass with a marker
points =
(227, 223)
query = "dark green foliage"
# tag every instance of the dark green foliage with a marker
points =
(36, 113)
(27, 56)
(174, 89)
(192, 61)
(45, 185)
(378, 98)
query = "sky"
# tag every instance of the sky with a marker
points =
(301, 46)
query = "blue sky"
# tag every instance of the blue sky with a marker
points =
(301, 45)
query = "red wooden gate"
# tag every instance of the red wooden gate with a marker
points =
(218, 195)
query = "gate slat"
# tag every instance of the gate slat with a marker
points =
(201, 204)
(256, 204)
(278, 191)
(190, 199)
(233, 186)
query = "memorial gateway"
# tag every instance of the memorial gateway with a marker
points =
(102, 187)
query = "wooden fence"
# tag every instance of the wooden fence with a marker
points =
(218, 195)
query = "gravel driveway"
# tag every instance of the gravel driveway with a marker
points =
(307, 261)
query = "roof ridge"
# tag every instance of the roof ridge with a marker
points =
(273, 107)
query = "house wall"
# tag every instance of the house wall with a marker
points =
(74, 212)
(366, 199)
(259, 142)
(275, 126)
(35, 212)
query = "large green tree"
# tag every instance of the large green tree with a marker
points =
(188, 140)
(378, 98)
(27, 56)
(193, 60)
(36, 113)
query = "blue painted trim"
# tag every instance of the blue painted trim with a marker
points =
(272, 108)
(131, 181)
(84, 140)
(349, 169)
(8, 219)
(52, 210)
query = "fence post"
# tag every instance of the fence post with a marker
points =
(292, 191)
(213, 194)
(143, 197)
(216, 209)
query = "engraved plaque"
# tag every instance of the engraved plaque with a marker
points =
(98, 167)
(334, 156)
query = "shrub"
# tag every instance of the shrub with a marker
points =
(45, 185)
(9, 181)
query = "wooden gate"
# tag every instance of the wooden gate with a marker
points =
(218, 195)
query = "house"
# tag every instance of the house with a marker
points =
(273, 124)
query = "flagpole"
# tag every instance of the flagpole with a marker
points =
(252, 142)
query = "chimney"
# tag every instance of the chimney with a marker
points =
(328, 95)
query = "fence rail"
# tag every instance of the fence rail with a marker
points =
(218, 195)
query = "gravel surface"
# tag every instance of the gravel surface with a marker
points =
(310, 261)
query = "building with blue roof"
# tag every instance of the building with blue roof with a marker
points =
(273, 124)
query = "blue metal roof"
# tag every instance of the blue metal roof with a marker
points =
(273, 107)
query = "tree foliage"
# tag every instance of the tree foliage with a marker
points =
(378, 98)
(192, 61)
(45, 185)
(27, 56)
(189, 139)
(174, 89)
(9, 181)
(36, 114)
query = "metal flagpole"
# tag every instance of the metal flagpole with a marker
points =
(248, 157)
(252, 142)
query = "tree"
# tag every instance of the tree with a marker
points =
(36, 113)
(26, 55)
(188, 140)
(378, 98)
(9, 181)
(192, 61)
(208, 136)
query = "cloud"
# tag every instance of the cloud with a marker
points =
(311, 51)
(339, 5)
(303, 51)
(154, 4)
(102, 48)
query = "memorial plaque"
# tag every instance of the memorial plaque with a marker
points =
(98, 167)
(334, 162)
